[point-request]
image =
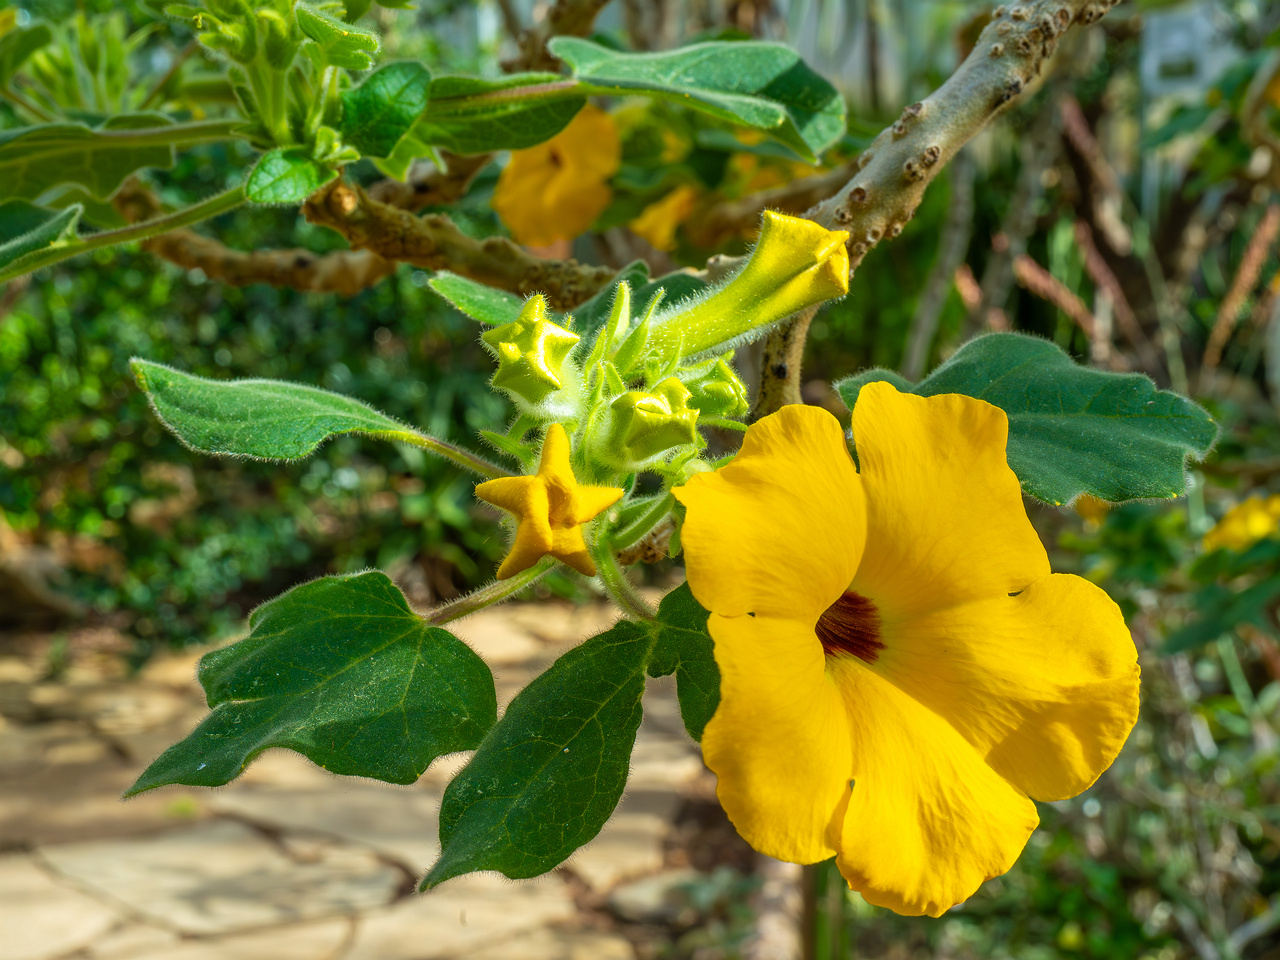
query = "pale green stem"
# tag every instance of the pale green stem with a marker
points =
(215, 205)
(441, 448)
(489, 594)
(637, 528)
(723, 423)
(614, 579)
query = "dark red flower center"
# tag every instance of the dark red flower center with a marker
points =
(851, 625)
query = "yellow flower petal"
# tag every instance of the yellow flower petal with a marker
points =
(1245, 524)
(945, 520)
(658, 221)
(776, 699)
(550, 509)
(1044, 685)
(780, 530)
(927, 822)
(554, 191)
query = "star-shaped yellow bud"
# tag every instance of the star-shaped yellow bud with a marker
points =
(531, 352)
(550, 508)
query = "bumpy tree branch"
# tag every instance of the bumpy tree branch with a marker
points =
(895, 170)
(435, 243)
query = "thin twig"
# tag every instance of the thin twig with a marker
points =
(1048, 287)
(1095, 264)
(1255, 255)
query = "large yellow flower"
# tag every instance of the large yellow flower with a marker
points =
(555, 191)
(900, 671)
(1245, 524)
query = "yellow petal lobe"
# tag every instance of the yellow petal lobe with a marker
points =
(945, 520)
(927, 821)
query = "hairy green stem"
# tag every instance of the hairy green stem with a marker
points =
(638, 527)
(215, 205)
(621, 590)
(442, 448)
(489, 594)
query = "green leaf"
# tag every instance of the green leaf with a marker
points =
(26, 228)
(763, 85)
(33, 159)
(269, 419)
(19, 43)
(341, 44)
(472, 115)
(377, 114)
(486, 304)
(1072, 429)
(550, 773)
(286, 175)
(342, 671)
(547, 777)
(684, 648)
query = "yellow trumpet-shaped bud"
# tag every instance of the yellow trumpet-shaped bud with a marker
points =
(550, 509)
(796, 263)
(531, 352)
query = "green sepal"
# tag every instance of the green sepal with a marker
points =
(715, 389)
(645, 425)
(1072, 429)
(550, 773)
(342, 671)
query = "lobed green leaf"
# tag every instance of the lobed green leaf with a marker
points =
(343, 672)
(763, 85)
(1072, 429)
(378, 113)
(550, 773)
(34, 159)
(269, 419)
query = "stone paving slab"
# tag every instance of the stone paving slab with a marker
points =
(291, 862)
(221, 876)
(40, 918)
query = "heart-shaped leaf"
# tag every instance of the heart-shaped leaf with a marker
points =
(342, 671)
(1072, 429)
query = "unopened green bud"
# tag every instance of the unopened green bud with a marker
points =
(796, 263)
(642, 426)
(716, 390)
(532, 353)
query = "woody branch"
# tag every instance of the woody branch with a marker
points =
(893, 173)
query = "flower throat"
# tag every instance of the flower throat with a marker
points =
(851, 625)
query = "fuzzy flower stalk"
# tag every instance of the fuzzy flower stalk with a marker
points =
(795, 264)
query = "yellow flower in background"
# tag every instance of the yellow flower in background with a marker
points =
(658, 221)
(900, 670)
(1245, 524)
(555, 191)
(550, 509)
(1092, 509)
